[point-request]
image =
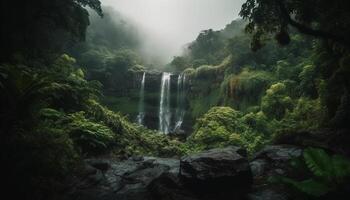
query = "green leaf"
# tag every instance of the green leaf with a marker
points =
(319, 162)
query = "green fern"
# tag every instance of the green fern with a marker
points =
(329, 172)
(319, 162)
(332, 168)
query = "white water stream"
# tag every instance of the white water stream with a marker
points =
(141, 115)
(164, 105)
(180, 107)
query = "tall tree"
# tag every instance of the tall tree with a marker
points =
(33, 28)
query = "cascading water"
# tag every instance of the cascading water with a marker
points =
(180, 109)
(164, 106)
(141, 114)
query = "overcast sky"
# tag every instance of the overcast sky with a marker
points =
(170, 24)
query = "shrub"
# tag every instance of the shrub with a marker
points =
(308, 85)
(259, 122)
(206, 72)
(132, 139)
(307, 115)
(223, 126)
(37, 160)
(89, 136)
(276, 102)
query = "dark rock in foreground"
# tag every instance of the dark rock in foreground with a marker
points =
(217, 174)
(169, 187)
(127, 179)
(270, 161)
(221, 173)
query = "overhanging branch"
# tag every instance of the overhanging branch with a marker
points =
(308, 30)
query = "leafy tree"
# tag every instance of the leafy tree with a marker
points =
(179, 63)
(276, 101)
(328, 22)
(259, 122)
(286, 71)
(209, 48)
(321, 19)
(21, 95)
(91, 137)
(69, 90)
(307, 114)
(269, 55)
(104, 37)
(224, 126)
(207, 45)
(308, 81)
(36, 28)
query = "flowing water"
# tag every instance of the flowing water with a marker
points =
(164, 105)
(141, 114)
(180, 107)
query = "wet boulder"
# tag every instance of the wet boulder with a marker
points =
(220, 173)
(168, 186)
(274, 160)
(271, 161)
(127, 179)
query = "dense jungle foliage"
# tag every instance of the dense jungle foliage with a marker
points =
(51, 116)
(279, 74)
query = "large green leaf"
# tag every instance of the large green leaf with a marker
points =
(319, 162)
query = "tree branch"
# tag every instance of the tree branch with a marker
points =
(308, 30)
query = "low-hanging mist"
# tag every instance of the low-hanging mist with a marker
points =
(165, 26)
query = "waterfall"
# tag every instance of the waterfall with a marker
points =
(180, 107)
(164, 106)
(141, 114)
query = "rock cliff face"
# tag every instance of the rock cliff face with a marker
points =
(217, 174)
(152, 99)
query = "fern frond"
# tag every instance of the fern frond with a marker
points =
(319, 162)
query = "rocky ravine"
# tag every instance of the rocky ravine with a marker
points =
(210, 175)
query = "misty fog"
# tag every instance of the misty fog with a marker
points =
(165, 26)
